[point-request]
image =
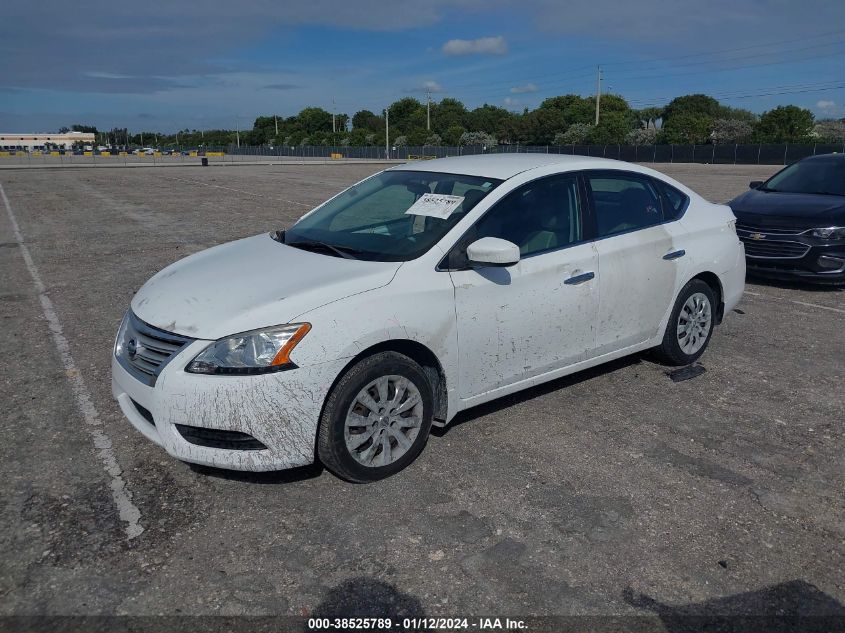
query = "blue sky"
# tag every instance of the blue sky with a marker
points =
(163, 65)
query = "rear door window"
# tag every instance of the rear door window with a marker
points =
(623, 202)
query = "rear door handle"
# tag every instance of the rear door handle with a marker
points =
(579, 279)
(675, 254)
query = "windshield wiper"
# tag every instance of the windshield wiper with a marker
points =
(762, 188)
(340, 251)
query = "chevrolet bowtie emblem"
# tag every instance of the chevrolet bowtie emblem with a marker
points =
(757, 236)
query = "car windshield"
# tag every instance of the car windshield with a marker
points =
(824, 176)
(392, 216)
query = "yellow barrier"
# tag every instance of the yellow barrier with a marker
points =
(215, 153)
(105, 153)
(87, 153)
(335, 155)
(5, 154)
(54, 153)
(192, 153)
(156, 154)
(420, 157)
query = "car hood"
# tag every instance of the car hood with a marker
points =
(805, 206)
(249, 284)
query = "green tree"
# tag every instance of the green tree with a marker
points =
(490, 119)
(452, 136)
(731, 131)
(538, 127)
(448, 114)
(786, 124)
(478, 138)
(648, 117)
(686, 128)
(612, 129)
(576, 134)
(434, 140)
(314, 120)
(366, 120)
(406, 114)
(698, 105)
(572, 108)
(830, 131)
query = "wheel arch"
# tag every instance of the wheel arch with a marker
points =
(421, 355)
(712, 280)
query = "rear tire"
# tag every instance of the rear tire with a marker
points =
(376, 419)
(690, 325)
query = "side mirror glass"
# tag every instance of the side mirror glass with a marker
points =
(493, 251)
(755, 184)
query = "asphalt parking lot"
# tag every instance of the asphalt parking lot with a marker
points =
(615, 491)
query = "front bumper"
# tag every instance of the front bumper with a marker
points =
(794, 257)
(820, 264)
(280, 410)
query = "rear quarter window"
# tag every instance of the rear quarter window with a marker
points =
(675, 202)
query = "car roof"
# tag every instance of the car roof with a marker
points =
(504, 166)
(833, 156)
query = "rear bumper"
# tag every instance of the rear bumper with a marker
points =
(280, 410)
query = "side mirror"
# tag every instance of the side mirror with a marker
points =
(493, 251)
(755, 184)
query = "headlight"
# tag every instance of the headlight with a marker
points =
(830, 233)
(120, 339)
(256, 352)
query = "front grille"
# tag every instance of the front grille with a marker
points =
(146, 350)
(773, 249)
(217, 438)
(768, 229)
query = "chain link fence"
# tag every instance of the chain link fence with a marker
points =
(759, 154)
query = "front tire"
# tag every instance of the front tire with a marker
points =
(690, 325)
(376, 419)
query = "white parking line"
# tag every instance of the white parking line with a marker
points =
(121, 494)
(800, 303)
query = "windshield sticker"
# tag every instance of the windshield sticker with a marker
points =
(435, 205)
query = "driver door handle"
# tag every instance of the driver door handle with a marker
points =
(579, 279)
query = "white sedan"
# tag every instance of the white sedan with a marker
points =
(419, 292)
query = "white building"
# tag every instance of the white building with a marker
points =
(41, 141)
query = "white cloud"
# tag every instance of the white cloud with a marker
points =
(825, 104)
(512, 103)
(518, 90)
(432, 86)
(481, 46)
(95, 74)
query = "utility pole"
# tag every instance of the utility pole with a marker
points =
(334, 127)
(238, 132)
(428, 110)
(598, 92)
(387, 133)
